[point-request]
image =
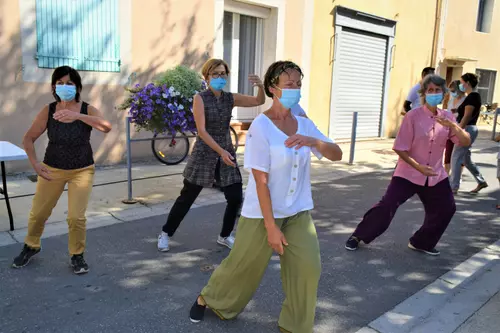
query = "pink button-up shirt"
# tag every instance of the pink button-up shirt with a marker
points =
(425, 140)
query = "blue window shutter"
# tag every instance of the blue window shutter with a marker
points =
(80, 34)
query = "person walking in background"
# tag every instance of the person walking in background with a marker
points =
(68, 160)
(276, 212)
(456, 98)
(420, 145)
(468, 115)
(213, 155)
(413, 99)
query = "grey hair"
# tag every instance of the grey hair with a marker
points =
(432, 78)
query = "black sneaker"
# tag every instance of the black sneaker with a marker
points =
(432, 252)
(197, 312)
(79, 265)
(24, 258)
(352, 243)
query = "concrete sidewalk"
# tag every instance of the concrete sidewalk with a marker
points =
(485, 319)
(155, 186)
(464, 300)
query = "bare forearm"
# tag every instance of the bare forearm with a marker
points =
(264, 196)
(261, 96)
(207, 138)
(463, 137)
(466, 118)
(29, 148)
(98, 123)
(329, 150)
(407, 158)
(464, 122)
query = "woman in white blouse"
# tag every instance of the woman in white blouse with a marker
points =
(456, 98)
(276, 211)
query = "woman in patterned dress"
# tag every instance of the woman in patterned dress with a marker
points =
(213, 155)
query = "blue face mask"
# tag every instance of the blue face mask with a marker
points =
(66, 92)
(218, 84)
(289, 97)
(434, 99)
(454, 94)
(461, 87)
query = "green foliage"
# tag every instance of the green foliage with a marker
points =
(185, 80)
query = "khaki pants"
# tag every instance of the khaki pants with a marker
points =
(234, 282)
(46, 196)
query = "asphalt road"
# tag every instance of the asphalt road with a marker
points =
(134, 288)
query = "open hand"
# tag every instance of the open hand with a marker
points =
(445, 122)
(298, 141)
(255, 80)
(66, 116)
(42, 171)
(276, 239)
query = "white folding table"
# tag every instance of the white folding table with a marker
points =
(9, 152)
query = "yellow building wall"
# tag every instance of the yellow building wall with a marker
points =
(462, 39)
(414, 40)
(163, 34)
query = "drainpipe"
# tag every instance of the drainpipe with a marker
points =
(435, 37)
(439, 34)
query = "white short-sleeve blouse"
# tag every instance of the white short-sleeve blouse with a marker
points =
(288, 168)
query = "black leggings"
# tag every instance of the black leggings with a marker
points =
(189, 193)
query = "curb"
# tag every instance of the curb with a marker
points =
(97, 221)
(58, 228)
(449, 301)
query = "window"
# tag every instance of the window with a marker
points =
(242, 49)
(80, 34)
(485, 15)
(486, 86)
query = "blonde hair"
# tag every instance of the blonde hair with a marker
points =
(210, 65)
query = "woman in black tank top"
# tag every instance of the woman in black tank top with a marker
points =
(68, 160)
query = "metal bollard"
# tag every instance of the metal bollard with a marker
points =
(353, 136)
(495, 118)
(130, 199)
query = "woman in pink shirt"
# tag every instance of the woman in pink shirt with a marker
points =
(420, 144)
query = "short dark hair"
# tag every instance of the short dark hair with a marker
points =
(271, 79)
(471, 79)
(61, 72)
(427, 70)
(211, 64)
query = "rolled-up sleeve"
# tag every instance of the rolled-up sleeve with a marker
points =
(257, 152)
(314, 132)
(404, 139)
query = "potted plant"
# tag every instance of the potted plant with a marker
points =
(166, 104)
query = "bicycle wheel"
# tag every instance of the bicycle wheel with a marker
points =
(170, 151)
(234, 138)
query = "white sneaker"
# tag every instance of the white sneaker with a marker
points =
(163, 240)
(226, 241)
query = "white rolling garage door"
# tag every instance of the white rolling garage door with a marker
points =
(358, 83)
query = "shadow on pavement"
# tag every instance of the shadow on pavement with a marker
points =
(134, 288)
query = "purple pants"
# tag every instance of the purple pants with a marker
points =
(439, 205)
